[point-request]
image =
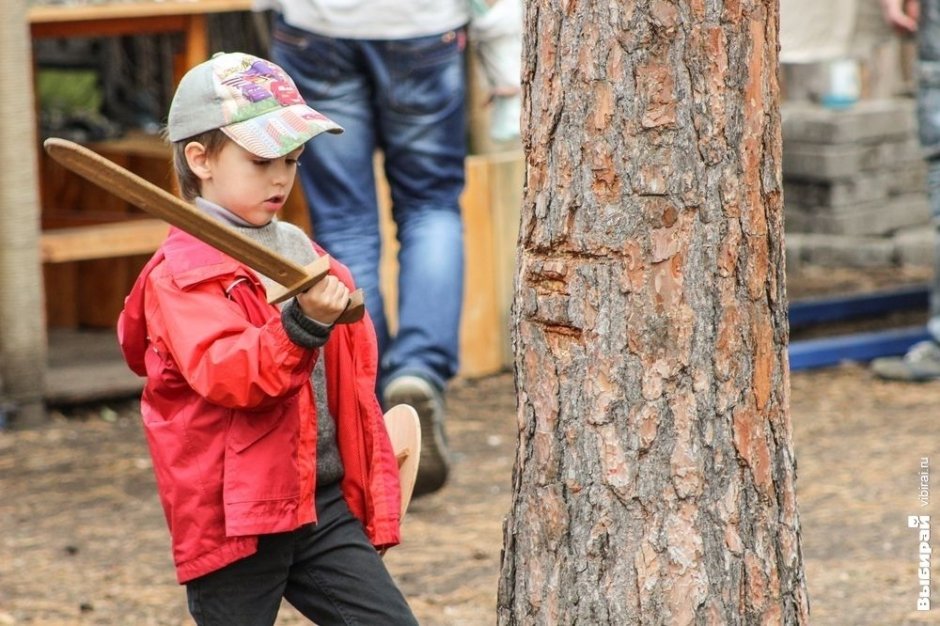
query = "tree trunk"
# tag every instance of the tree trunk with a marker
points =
(22, 330)
(654, 482)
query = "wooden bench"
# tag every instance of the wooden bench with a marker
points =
(102, 241)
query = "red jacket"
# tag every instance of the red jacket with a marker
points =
(229, 411)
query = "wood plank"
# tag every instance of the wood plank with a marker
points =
(87, 366)
(86, 236)
(135, 143)
(103, 241)
(52, 219)
(60, 292)
(109, 27)
(508, 175)
(58, 187)
(196, 49)
(481, 330)
(64, 192)
(388, 265)
(101, 293)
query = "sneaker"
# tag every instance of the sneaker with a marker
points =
(429, 404)
(920, 364)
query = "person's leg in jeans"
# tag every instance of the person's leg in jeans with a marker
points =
(337, 174)
(337, 577)
(422, 127)
(406, 97)
(922, 361)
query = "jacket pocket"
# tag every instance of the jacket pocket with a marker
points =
(248, 429)
(261, 481)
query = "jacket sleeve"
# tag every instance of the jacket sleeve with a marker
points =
(226, 356)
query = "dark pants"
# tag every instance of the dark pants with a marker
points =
(328, 571)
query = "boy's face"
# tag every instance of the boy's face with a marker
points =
(251, 187)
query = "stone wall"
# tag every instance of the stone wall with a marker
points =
(854, 185)
(854, 179)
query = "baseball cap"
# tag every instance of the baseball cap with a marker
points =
(252, 100)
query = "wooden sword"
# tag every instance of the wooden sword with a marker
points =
(292, 277)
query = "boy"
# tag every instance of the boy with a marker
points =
(274, 469)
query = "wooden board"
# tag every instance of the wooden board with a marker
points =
(87, 366)
(481, 329)
(102, 241)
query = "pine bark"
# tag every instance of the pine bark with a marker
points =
(654, 480)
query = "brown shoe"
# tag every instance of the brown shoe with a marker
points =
(417, 392)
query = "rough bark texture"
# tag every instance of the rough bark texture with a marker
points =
(22, 331)
(654, 482)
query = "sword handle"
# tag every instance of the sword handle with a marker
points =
(315, 272)
(355, 308)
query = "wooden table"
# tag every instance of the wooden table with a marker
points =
(136, 18)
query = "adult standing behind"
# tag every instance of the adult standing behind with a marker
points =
(922, 361)
(391, 72)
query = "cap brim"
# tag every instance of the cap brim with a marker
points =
(274, 134)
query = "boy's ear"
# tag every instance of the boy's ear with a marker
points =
(198, 159)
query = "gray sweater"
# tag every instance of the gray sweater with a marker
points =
(292, 243)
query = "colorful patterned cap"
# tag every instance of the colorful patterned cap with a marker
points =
(251, 100)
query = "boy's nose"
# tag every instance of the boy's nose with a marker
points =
(282, 174)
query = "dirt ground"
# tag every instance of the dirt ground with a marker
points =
(83, 541)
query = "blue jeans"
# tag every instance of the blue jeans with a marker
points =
(406, 98)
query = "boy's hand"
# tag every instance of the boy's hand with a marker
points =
(901, 14)
(325, 300)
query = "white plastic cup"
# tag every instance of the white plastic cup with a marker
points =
(843, 84)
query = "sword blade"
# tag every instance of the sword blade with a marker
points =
(145, 195)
